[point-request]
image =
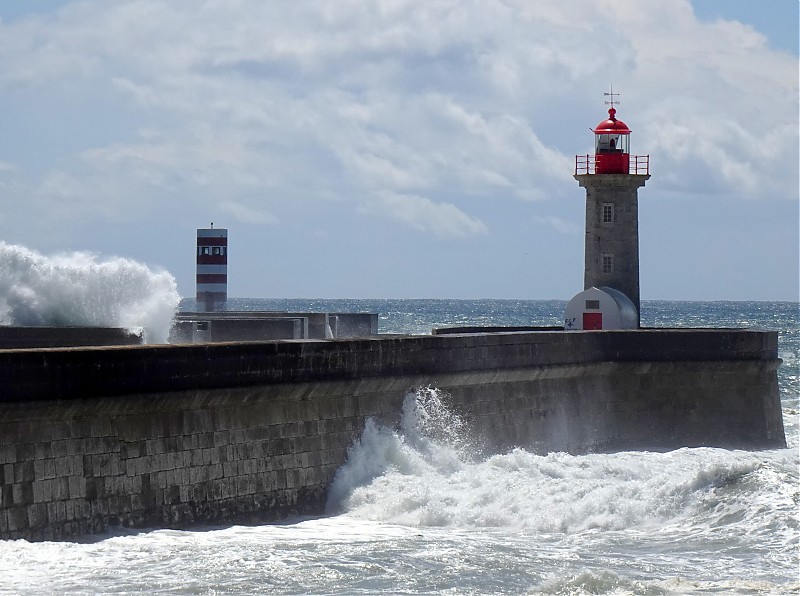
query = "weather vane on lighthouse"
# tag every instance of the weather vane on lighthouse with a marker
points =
(611, 94)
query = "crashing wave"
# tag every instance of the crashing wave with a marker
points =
(80, 289)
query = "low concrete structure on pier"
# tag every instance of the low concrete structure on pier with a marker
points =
(200, 327)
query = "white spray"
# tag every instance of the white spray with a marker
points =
(423, 474)
(78, 289)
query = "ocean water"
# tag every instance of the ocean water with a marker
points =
(416, 510)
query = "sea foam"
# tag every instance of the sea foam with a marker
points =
(81, 289)
(422, 474)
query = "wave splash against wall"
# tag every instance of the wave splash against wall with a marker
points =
(79, 289)
(424, 474)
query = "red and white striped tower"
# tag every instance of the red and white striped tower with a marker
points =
(212, 268)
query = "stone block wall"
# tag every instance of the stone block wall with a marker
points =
(168, 461)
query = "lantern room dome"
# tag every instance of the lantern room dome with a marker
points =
(612, 125)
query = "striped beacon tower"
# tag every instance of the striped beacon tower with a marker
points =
(212, 268)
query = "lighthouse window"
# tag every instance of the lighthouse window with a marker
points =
(608, 262)
(203, 250)
(608, 213)
(215, 251)
(611, 143)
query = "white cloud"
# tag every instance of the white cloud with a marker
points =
(443, 220)
(248, 215)
(407, 95)
(559, 224)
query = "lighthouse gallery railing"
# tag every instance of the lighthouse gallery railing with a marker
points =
(587, 164)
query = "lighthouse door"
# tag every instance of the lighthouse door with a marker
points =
(592, 321)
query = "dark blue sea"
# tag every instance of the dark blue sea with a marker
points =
(420, 514)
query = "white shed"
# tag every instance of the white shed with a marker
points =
(600, 308)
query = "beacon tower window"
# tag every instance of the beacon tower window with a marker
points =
(608, 213)
(608, 262)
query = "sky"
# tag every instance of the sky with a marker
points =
(402, 148)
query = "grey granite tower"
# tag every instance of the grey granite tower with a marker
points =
(612, 232)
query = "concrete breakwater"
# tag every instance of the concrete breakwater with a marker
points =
(155, 436)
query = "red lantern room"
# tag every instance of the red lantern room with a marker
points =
(612, 145)
(612, 142)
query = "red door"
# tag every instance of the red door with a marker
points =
(592, 321)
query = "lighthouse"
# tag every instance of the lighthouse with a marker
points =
(611, 177)
(212, 268)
